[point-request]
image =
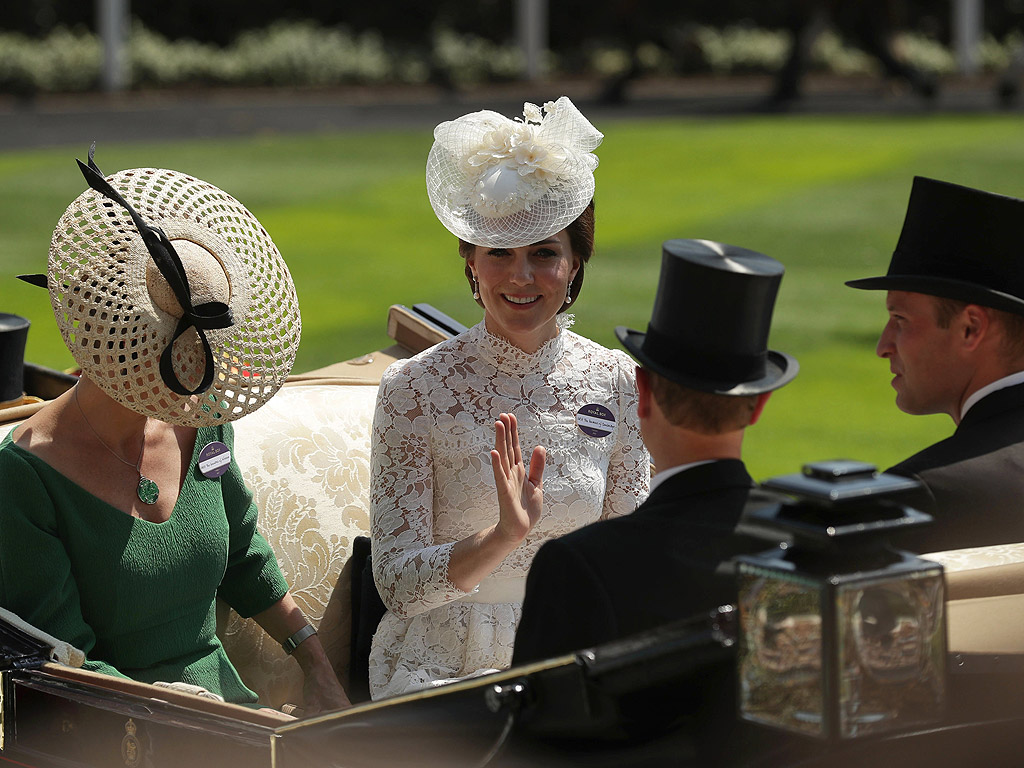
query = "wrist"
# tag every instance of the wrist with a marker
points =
(293, 641)
(508, 536)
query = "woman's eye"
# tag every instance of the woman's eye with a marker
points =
(497, 252)
(546, 253)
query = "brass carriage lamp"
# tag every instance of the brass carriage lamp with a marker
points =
(840, 635)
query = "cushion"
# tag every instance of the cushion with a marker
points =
(983, 583)
(306, 457)
(982, 571)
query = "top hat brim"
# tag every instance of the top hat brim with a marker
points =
(780, 369)
(946, 288)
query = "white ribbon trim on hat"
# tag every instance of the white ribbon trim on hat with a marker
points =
(511, 164)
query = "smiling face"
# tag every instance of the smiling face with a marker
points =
(522, 289)
(922, 355)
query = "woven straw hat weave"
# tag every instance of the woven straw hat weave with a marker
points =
(504, 183)
(117, 313)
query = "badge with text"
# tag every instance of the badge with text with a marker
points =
(214, 459)
(595, 420)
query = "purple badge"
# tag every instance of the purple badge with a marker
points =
(595, 420)
(214, 459)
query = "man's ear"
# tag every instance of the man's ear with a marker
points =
(643, 388)
(976, 322)
(759, 406)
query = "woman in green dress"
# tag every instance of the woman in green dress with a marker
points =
(122, 512)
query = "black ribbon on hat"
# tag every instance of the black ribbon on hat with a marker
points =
(210, 315)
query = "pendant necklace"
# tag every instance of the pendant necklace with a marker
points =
(147, 490)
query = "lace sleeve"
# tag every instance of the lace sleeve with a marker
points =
(629, 467)
(411, 572)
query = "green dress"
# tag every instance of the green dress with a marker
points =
(137, 597)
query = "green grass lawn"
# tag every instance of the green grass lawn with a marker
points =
(349, 212)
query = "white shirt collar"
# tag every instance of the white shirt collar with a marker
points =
(665, 474)
(1007, 381)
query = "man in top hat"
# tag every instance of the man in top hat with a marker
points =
(705, 374)
(955, 344)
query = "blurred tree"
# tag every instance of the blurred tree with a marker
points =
(574, 25)
(37, 18)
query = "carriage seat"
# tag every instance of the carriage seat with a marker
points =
(306, 457)
(984, 598)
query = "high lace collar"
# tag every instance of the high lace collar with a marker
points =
(508, 358)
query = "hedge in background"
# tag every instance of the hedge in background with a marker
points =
(302, 53)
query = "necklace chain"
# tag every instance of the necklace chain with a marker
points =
(137, 465)
(147, 490)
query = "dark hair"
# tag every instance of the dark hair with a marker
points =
(703, 412)
(581, 240)
(1013, 325)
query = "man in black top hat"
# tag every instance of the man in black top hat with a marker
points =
(955, 344)
(705, 374)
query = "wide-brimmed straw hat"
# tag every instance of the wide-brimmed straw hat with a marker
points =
(171, 296)
(711, 318)
(958, 243)
(503, 183)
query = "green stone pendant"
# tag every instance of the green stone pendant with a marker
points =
(148, 491)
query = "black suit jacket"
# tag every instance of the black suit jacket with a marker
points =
(621, 576)
(974, 479)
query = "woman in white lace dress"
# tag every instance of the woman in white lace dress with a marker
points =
(451, 567)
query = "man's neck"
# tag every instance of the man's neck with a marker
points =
(686, 447)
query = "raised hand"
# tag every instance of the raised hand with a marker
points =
(520, 496)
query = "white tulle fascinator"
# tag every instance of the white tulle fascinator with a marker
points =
(504, 183)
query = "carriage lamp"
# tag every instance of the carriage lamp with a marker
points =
(841, 636)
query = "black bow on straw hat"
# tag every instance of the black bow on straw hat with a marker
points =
(209, 315)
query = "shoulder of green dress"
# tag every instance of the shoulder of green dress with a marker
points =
(12, 455)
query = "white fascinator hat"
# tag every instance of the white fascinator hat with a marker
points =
(171, 296)
(503, 183)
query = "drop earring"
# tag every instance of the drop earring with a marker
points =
(568, 294)
(476, 288)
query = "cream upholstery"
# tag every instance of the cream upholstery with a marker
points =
(978, 558)
(984, 598)
(983, 571)
(306, 457)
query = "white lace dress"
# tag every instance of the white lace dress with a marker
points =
(432, 486)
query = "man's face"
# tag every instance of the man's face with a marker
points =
(922, 356)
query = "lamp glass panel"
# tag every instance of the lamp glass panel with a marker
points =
(892, 649)
(781, 681)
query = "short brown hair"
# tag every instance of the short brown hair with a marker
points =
(1012, 324)
(581, 240)
(703, 412)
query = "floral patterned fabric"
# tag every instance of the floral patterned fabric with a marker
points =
(972, 559)
(433, 486)
(306, 457)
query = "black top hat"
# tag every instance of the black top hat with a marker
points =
(13, 333)
(709, 327)
(958, 243)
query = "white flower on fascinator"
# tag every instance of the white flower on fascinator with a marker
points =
(506, 183)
